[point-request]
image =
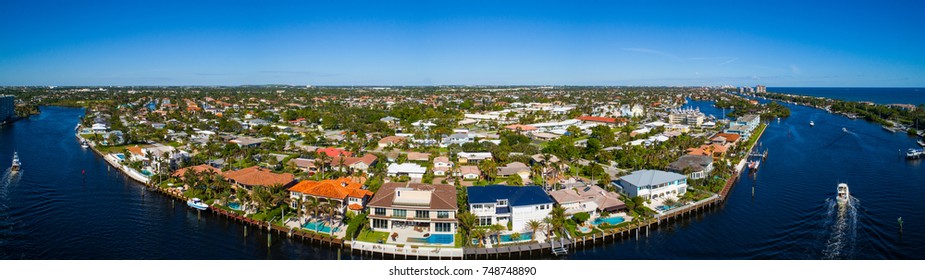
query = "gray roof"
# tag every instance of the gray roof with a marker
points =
(651, 177)
(747, 118)
(696, 163)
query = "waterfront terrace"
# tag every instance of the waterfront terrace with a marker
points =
(412, 211)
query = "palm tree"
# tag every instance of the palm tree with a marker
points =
(534, 225)
(467, 223)
(496, 230)
(313, 206)
(479, 234)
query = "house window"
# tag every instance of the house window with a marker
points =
(422, 214)
(484, 221)
(377, 223)
(476, 206)
(443, 214)
(443, 227)
(502, 202)
(380, 211)
(399, 213)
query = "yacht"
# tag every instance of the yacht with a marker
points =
(16, 165)
(845, 130)
(922, 142)
(914, 153)
(197, 203)
(843, 195)
(84, 144)
(811, 123)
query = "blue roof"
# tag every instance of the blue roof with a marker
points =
(516, 196)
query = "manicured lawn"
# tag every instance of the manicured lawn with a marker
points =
(372, 236)
(572, 228)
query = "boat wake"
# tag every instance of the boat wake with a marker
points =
(841, 223)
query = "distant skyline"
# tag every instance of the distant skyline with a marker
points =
(606, 43)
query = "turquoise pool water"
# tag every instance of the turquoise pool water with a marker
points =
(146, 172)
(609, 220)
(434, 239)
(317, 226)
(234, 206)
(120, 156)
(523, 237)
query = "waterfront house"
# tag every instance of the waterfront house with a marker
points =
(475, 158)
(725, 139)
(198, 169)
(694, 166)
(406, 169)
(413, 210)
(714, 150)
(510, 206)
(257, 176)
(653, 184)
(344, 193)
(744, 125)
(589, 199)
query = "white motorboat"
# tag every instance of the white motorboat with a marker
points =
(197, 203)
(844, 130)
(16, 164)
(843, 195)
(811, 123)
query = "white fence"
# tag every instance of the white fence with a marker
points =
(434, 252)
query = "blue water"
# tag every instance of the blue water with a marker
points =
(523, 237)
(610, 220)
(317, 226)
(146, 172)
(234, 206)
(706, 107)
(434, 239)
(120, 156)
(877, 95)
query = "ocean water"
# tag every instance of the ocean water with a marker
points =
(914, 96)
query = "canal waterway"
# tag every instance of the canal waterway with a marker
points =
(68, 204)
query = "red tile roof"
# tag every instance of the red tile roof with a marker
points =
(198, 168)
(333, 152)
(337, 189)
(256, 176)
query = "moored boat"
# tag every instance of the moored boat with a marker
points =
(197, 203)
(914, 153)
(811, 123)
(753, 165)
(16, 164)
(843, 195)
(921, 143)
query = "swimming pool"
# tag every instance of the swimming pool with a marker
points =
(146, 172)
(120, 156)
(523, 237)
(434, 239)
(234, 206)
(318, 227)
(609, 220)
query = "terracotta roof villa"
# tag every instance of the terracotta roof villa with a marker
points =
(199, 169)
(345, 193)
(256, 176)
(415, 212)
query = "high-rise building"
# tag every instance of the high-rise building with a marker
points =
(760, 89)
(7, 108)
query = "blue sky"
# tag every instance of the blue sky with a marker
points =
(863, 43)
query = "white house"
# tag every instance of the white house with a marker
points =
(509, 205)
(651, 184)
(407, 169)
(441, 166)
